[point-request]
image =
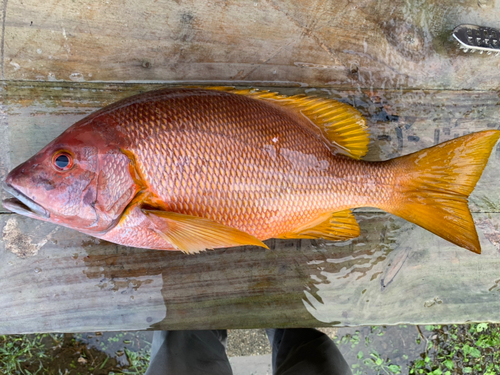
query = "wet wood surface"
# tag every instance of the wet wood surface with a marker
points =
(381, 44)
(56, 279)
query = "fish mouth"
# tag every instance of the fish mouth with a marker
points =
(23, 205)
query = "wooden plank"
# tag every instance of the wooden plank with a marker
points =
(388, 44)
(400, 122)
(56, 279)
(393, 273)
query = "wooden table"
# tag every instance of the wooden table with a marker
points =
(62, 60)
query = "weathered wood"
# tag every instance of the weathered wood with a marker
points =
(56, 279)
(382, 44)
(394, 273)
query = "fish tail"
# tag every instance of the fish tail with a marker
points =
(433, 186)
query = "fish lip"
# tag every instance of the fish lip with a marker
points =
(23, 205)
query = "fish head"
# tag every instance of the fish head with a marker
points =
(76, 181)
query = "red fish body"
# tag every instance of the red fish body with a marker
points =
(190, 169)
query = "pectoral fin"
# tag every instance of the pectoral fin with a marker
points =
(192, 234)
(337, 226)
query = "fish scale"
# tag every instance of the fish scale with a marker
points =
(190, 169)
(274, 194)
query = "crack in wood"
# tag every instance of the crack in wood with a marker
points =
(276, 53)
(307, 31)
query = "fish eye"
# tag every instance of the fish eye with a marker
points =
(62, 161)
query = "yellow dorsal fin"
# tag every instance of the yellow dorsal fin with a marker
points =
(337, 226)
(342, 126)
(192, 234)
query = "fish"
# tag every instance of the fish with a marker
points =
(190, 169)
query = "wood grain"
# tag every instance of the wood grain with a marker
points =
(320, 43)
(56, 279)
(72, 282)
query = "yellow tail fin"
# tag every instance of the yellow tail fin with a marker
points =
(435, 183)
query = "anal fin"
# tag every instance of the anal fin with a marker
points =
(337, 226)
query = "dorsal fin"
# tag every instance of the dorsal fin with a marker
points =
(342, 126)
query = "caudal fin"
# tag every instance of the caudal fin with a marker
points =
(436, 182)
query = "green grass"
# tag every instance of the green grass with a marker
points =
(74, 354)
(16, 351)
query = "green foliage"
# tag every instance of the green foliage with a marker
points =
(74, 354)
(481, 327)
(139, 362)
(469, 349)
(352, 340)
(432, 349)
(17, 350)
(369, 360)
